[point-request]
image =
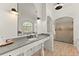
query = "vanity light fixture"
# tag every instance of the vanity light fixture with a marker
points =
(59, 6)
(38, 18)
(14, 11)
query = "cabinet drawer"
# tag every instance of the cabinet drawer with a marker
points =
(32, 50)
(14, 52)
(28, 52)
(36, 48)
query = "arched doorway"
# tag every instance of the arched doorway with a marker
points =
(64, 29)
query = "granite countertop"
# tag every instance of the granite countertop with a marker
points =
(20, 42)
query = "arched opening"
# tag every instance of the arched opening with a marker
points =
(64, 29)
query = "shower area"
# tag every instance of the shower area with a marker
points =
(64, 30)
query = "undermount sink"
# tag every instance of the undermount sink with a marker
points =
(31, 36)
(32, 39)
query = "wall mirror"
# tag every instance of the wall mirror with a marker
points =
(26, 18)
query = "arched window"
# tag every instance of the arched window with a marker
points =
(27, 27)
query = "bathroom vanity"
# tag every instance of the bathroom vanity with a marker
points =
(24, 46)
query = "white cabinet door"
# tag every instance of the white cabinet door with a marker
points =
(48, 44)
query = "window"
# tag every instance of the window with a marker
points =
(27, 27)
